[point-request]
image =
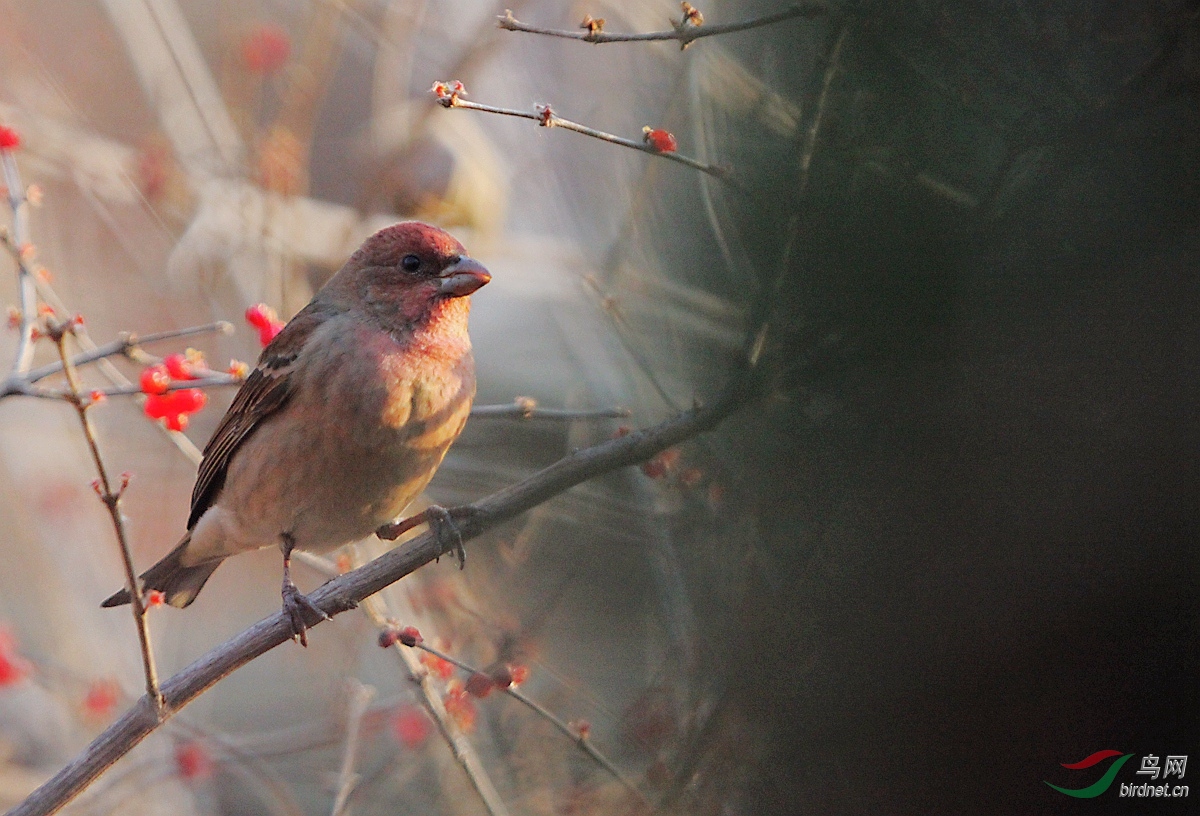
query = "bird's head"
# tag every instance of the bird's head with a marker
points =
(410, 273)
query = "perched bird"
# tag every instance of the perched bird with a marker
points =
(345, 419)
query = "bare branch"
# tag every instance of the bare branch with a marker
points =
(576, 735)
(527, 408)
(344, 592)
(112, 501)
(19, 243)
(360, 699)
(684, 31)
(126, 343)
(450, 96)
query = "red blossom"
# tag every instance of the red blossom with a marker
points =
(263, 317)
(97, 396)
(193, 761)
(411, 727)
(440, 666)
(182, 366)
(662, 141)
(448, 92)
(480, 685)
(101, 698)
(155, 379)
(155, 597)
(265, 49)
(9, 138)
(13, 667)
(460, 708)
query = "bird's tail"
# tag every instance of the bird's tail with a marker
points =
(180, 584)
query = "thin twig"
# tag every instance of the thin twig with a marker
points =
(345, 591)
(546, 117)
(464, 753)
(576, 735)
(19, 243)
(112, 501)
(126, 343)
(360, 699)
(683, 31)
(212, 380)
(527, 408)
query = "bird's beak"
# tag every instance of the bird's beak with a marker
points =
(463, 277)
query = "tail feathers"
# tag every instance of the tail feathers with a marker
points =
(180, 584)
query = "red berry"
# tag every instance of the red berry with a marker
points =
(387, 637)
(502, 676)
(460, 708)
(155, 380)
(157, 406)
(9, 138)
(409, 636)
(179, 367)
(187, 400)
(411, 726)
(101, 698)
(661, 140)
(266, 49)
(479, 685)
(193, 761)
(13, 667)
(263, 318)
(177, 422)
(519, 673)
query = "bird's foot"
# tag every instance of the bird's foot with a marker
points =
(296, 605)
(449, 536)
(440, 522)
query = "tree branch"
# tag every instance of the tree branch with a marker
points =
(345, 591)
(450, 96)
(527, 408)
(683, 31)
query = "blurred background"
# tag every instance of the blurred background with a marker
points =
(952, 548)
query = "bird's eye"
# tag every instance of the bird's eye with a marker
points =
(411, 263)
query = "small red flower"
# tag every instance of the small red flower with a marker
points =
(661, 140)
(155, 379)
(448, 92)
(13, 667)
(101, 698)
(411, 726)
(263, 318)
(155, 597)
(193, 761)
(480, 685)
(460, 708)
(439, 666)
(9, 138)
(266, 49)
(179, 366)
(97, 396)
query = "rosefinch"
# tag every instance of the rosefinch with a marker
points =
(344, 420)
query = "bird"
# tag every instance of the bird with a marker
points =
(343, 421)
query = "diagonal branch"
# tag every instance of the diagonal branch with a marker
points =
(344, 592)
(450, 96)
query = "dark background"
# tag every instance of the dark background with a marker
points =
(978, 495)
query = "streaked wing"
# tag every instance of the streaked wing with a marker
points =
(263, 393)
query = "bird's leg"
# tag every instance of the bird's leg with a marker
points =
(439, 520)
(296, 603)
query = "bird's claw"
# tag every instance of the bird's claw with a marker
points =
(440, 519)
(296, 604)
